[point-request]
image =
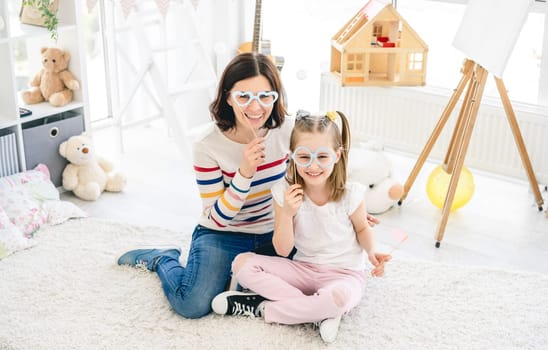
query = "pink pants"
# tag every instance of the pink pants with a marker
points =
(300, 292)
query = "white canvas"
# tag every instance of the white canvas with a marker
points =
(489, 30)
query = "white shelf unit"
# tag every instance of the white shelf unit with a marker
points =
(20, 60)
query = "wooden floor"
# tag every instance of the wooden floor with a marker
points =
(500, 227)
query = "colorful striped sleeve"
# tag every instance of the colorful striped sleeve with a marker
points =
(221, 201)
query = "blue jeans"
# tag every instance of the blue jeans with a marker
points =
(190, 289)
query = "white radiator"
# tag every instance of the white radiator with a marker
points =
(404, 118)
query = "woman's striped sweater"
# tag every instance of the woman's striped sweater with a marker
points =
(230, 202)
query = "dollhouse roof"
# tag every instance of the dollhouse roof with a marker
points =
(365, 16)
(372, 8)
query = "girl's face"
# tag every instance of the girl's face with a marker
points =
(252, 100)
(315, 157)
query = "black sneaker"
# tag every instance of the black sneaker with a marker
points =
(238, 303)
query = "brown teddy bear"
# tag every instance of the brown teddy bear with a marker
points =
(54, 82)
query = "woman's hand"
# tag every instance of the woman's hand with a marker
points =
(254, 151)
(378, 260)
(293, 199)
(253, 156)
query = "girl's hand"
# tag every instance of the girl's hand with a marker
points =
(293, 199)
(378, 260)
(253, 156)
(372, 220)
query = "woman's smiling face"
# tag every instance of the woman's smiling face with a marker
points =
(256, 114)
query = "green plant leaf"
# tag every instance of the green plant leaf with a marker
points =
(50, 18)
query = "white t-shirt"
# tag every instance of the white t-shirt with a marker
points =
(324, 234)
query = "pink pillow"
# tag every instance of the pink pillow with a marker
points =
(22, 195)
(11, 238)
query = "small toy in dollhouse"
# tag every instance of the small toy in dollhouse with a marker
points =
(377, 47)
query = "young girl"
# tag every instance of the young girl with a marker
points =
(324, 217)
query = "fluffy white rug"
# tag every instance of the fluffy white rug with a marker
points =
(67, 293)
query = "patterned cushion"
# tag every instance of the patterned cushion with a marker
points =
(11, 238)
(22, 195)
(61, 211)
(29, 200)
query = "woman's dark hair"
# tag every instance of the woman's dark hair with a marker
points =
(244, 66)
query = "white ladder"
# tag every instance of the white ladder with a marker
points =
(357, 18)
(198, 71)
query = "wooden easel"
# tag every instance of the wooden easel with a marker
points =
(475, 76)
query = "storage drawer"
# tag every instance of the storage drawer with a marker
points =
(9, 162)
(42, 137)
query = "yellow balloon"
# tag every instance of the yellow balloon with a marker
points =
(438, 183)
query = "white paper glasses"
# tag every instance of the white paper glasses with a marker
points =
(244, 98)
(303, 157)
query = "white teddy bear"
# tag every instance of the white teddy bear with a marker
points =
(369, 166)
(87, 174)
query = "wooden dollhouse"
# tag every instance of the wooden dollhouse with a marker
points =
(377, 47)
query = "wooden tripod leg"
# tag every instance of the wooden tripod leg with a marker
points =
(471, 108)
(519, 141)
(467, 73)
(456, 138)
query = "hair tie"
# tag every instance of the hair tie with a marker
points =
(335, 118)
(332, 115)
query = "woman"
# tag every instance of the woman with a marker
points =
(236, 163)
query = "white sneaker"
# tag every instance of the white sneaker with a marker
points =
(329, 329)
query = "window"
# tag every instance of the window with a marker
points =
(354, 62)
(307, 50)
(377, 30)
(95, 65)
(414, 61)
(437, 21)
